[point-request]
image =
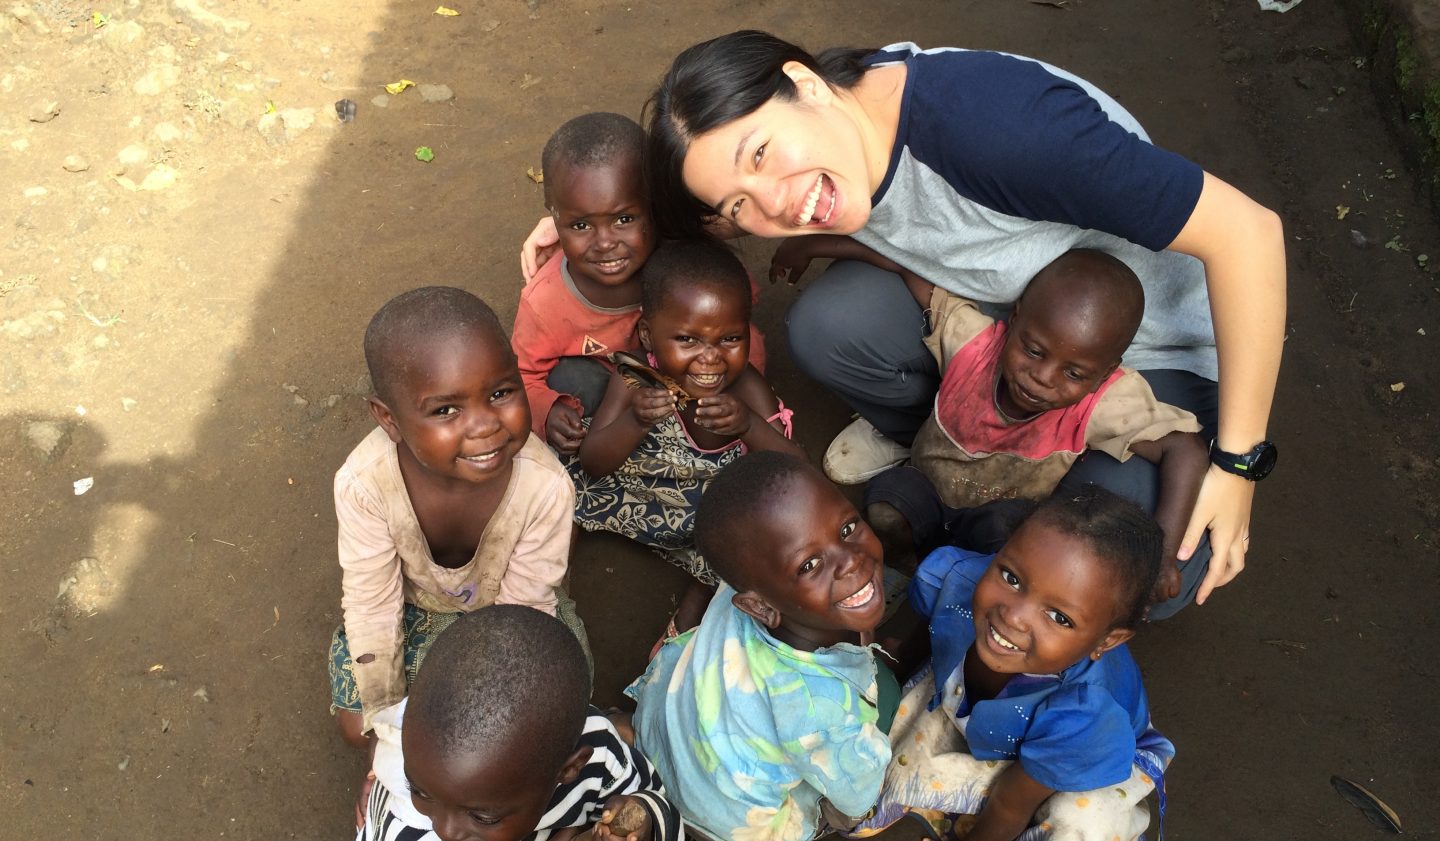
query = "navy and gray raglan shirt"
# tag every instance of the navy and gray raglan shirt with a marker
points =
(1003, 163)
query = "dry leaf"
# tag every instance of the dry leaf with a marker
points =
(444, 12)
(1341, 211)
(1397, 387)
(397, 87)
(536, 175)
(1374, 809)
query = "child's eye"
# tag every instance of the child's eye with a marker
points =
(446, 411)
(732, 340)
(487, 820)
(416, 792)
(809, 565)
(847, 529)
(1074, 376)
(1009, 577)
(1033, 353)
(685, 340)
(625, 219)
(579, 226)
(500, 394)
(760, 154)
(1059, 618)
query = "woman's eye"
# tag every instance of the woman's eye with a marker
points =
(1059, 618)
(735, 208)
(759, 154)
(809, 565)
(847, 529)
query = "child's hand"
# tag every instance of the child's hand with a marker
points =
(1167, 585)
(362, 800)
(538, 248)
(791, 259)
(563, 429)
(651, 405)
(625, 819)
(724, 415)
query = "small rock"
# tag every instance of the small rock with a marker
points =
(25, 15)
(235, 114)
(159, 178)
(75, 163)
(203, 18)
(124, 763)
(271, 128)
(128, 403)
(300, 401)
(49, 437)
(123, 37)
(160, 79)
(20, 144)
(1358, 239)
(332, 400)
(166, 133)
(436, 93)
(1234, 55)
(101, 342)
(297, 121)
(201, 694)
(489, 25)
(381, 101)
(133, 155)
(99, 265)
(35, 192)
(44, 110)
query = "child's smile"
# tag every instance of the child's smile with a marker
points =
(603, 220)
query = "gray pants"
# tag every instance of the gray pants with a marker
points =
(857, 330)
(583, 377)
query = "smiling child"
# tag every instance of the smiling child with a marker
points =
(1029, 663)
(496, 742)
(448, 505)
(581, 308)
(1021, 400)
(769, 719)
(646, 459)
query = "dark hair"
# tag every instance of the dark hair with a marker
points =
(597, 139)
(1095, 287)
(692, 264)
(412, 318)
(711, 84)
(741, 491)
(497, 673)
(1119, 532)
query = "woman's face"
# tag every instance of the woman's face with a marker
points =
(787, 169)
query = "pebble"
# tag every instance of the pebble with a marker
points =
(133, 154)
(166, 133)
(160, 79)
(35, 192)
(436, 93)
(75, 163)
(20, 144)
(128, 403)
(99, 265)
(297, 120)
(123, 37)
(44, 110)
(50, 438)
(381, 101)
(202, 17)
(158, 178)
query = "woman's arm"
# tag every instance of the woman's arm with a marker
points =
(539, 247)
(621, 423)
(1014, 797)
(792, 257)
(1242, 245)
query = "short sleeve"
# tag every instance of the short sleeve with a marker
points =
(1081, 739)
(1127, 412)
(954, 321)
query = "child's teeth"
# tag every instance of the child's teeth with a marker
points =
(861, 597)
(1004, 643)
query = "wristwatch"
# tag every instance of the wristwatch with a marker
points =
(1254, 465)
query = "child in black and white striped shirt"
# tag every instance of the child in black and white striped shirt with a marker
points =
(497, 741)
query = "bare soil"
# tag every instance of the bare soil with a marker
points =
(180, 323)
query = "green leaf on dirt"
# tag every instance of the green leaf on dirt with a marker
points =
(424, 154)
(99, 19)
(1395, 244)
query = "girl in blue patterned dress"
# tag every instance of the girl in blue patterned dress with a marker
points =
(1032, 722)
(649, 452)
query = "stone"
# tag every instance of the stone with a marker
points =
(159, 178)
(297, 121)
(27, 16)
(436, 93)
(49, 437)
(235, 114)
(160, 79)
(35, 192)
(75, 163)
(133, 155)
(99, 265)
(381, 101)
(123, 37)
(201, 17)
(20, 144)
(271, 128)
(44, 110)
(167, 133)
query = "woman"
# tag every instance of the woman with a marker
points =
(973, 170)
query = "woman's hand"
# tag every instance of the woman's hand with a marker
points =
(1223, 508)
(724, 415)
(539, 247)
(651, 405)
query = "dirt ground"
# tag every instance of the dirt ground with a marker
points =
(185, 281)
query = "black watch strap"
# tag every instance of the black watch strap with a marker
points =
(1253, 465)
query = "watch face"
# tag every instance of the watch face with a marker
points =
(1262, 460)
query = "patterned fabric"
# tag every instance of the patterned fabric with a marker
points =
(419, 628)
(935, 776)
(652, 497)
(614, 768)
(751, 733)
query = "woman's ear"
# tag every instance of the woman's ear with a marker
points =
(386, 418)
(1117, 636)
(808, 84)
(755, 605)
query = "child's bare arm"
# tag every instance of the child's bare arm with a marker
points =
(1182, 461)
(1014, 797)
(793, 257)
(621, 423)
(742, 412)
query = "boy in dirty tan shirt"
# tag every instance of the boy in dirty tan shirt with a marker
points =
(450, 505)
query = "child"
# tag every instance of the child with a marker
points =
(769, 719)
(449, 505)
(1021, 400)
(496, 741)
(1029, 664)
(579, 309)
(647, 457)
